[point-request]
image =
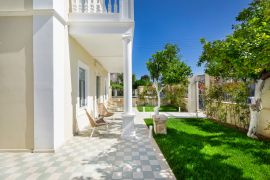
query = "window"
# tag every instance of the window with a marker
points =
(98, 87)
(82, 87)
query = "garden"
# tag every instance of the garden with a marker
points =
(204, 149)
(233, 143)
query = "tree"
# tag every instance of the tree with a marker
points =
(144, 81)
(134, 80)
(245, 54)
(175, 95)
(166, 68)
(118, 83)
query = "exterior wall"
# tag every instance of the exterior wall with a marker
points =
(16, 5)
(60, 6)
(264, 119)
(61, 130)
(16, 83)
(38, 111)
(53, 107)
(79, 56)
(43, 83)
(52, 125)
(227, 115)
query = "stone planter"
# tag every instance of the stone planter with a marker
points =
(160, 124)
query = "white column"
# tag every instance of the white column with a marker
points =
(128, 116)
(127, 44)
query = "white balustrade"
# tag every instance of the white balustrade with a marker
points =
(95, 6)
(110, 7)
(86, 7)
(80, 6)
(115, 7)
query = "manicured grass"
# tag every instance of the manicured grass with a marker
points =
(162, 109)
(203, 149)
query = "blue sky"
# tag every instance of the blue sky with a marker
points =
(182, 22)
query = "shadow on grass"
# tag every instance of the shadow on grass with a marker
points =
(202, 149)
(234, 139)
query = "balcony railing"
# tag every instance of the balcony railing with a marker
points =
(121, 9)
(95, 6)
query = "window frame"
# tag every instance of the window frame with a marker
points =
(83, 66)
(98, 87)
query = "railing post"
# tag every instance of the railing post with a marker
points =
(124, 9)
(104, 6)
(110, 6)
(131, 9)
(86, 9)
(115, 7)
(73, 6)
(79, 5)
(127, 9)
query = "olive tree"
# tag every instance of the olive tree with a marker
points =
(166, 68)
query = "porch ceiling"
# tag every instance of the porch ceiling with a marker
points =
(107, 49)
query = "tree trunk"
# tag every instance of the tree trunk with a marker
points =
(156, 109)
(255, 109)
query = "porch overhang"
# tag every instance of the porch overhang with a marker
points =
(102, 40)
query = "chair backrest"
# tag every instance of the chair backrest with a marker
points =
(102, 110)
(91, 119)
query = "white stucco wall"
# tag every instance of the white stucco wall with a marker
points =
(264, 118)
(62, 7)
(16, 5)
(16, 83)
(43, 4)
(53, 122)
(43, 82)
(45, 58)
(80, 56)
(59, 51)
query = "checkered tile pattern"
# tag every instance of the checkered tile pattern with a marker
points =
(104, 156)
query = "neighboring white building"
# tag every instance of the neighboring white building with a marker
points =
(56, 57)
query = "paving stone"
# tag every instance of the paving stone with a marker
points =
(137, 175)
(117, 175)
(104, 156)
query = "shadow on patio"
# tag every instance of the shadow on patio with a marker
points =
(107, 156)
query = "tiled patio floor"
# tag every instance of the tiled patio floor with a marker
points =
(105, 156)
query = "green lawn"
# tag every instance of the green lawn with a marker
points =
(162, 109)
(202, 149)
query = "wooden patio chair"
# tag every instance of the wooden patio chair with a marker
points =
(103, 111)
(95, 123)
(112, 106)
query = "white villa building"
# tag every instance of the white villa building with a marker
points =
(56, 57)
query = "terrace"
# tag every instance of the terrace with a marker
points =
(105, 156)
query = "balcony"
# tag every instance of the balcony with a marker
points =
(102, 10)
(99, 25)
